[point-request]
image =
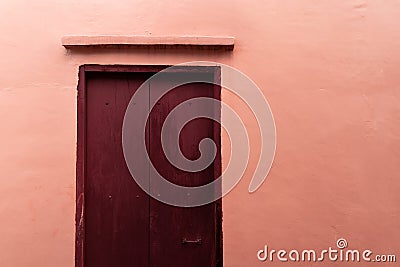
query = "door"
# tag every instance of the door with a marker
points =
(118, 224)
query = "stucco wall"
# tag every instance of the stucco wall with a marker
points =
(329, 69)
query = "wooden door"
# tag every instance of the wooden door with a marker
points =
(118, 224)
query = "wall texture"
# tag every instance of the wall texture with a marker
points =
(329, 69)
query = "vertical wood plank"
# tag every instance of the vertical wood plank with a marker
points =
(218, 168)
(80, 170)
(168, 224)
(116, 209)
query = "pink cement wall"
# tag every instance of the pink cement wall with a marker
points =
(329, 69)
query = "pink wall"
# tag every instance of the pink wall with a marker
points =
(329, 69)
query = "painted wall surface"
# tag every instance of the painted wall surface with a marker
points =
(329, 69)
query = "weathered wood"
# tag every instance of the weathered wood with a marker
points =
(80, 170)
(170, 225)
(117, 224)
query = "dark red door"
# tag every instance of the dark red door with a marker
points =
(118, 224)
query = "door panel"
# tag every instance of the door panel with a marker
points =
(171, 226)
(116, 209)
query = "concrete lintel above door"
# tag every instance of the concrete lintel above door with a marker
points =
(132, 41)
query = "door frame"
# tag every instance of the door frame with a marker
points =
(81, 146)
